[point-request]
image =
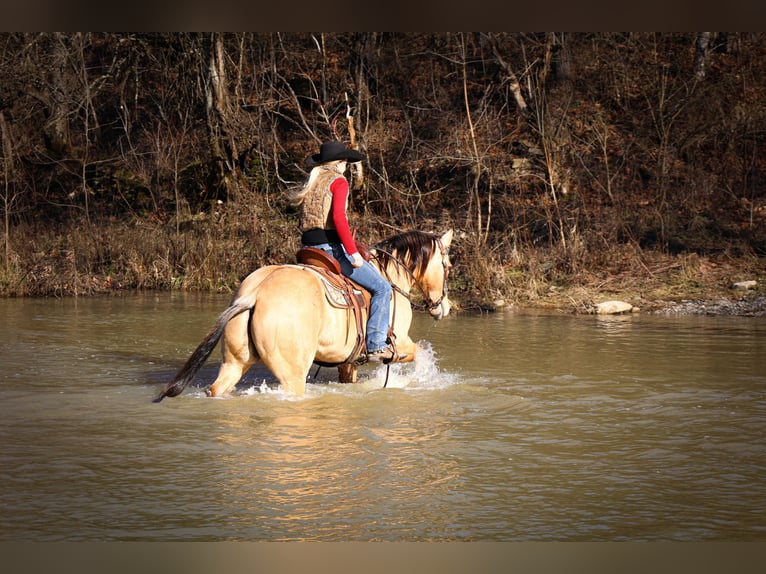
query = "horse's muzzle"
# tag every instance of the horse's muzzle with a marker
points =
(441, 310)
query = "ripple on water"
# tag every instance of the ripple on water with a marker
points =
(646, 429)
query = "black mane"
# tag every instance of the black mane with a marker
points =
(413, 248)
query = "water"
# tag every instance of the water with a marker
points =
(511, 427)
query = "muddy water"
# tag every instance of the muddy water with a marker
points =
(511, 427)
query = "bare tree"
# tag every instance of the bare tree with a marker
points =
(701, 50)
(223, 142)
(562, 56)
(513, 81)
(477, 169)
(548, 119)
(9, 190)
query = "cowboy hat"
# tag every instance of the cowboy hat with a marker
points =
(333, 151)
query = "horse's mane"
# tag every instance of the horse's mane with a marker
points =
(413, 248)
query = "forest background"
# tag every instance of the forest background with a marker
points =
(572, 166)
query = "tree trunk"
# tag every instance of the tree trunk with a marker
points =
(563, 66)
(57, 128)
(514, 86)
(222, 141)
(700, 54)
(8, 196)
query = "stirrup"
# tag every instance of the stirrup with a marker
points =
(383, 355)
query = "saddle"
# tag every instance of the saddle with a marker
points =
(318, 258)
(341, 292)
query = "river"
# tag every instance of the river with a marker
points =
(512, 426)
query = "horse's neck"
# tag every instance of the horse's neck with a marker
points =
(397, 274)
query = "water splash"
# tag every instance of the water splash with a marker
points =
(423, 373)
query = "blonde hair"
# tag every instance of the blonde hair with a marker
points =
(329, 170)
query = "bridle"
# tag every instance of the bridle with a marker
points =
(430, 304)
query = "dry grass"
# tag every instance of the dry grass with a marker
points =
(216, 252)
(208, 254)
(573, 279)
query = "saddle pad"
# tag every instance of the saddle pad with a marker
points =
(334, 294)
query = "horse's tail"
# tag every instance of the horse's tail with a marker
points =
(203, 350)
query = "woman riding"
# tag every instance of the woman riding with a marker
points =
(324, 224)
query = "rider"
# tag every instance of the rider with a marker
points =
(323, 223)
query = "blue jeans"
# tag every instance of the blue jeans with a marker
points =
(380, 289)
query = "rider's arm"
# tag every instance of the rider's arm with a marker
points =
(339, 190)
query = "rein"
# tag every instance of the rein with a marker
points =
(430, 303)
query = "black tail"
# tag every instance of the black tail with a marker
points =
(201, 353)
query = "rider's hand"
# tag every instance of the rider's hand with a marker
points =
(356, 260)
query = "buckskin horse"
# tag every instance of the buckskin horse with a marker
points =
(285, 316)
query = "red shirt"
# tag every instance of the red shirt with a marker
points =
(339, 190)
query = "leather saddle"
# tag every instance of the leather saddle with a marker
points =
(341, 292)
(318, 258)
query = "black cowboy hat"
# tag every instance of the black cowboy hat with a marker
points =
(333, 151)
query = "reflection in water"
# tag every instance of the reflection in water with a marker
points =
(292, 470)
(511, 427)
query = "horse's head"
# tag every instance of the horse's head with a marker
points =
(434, 280)
(421, 259)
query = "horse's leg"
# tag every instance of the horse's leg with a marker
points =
(291, 374)
(286, 331)
(347, 373)
(406, 349)
(238, 356)
(287, 345)
(288, 353)
(237, 348)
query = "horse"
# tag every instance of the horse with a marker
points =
(281, 316)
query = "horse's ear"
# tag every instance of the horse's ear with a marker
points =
(447, 239)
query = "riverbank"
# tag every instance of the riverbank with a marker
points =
(215, 254)
(664, 285)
